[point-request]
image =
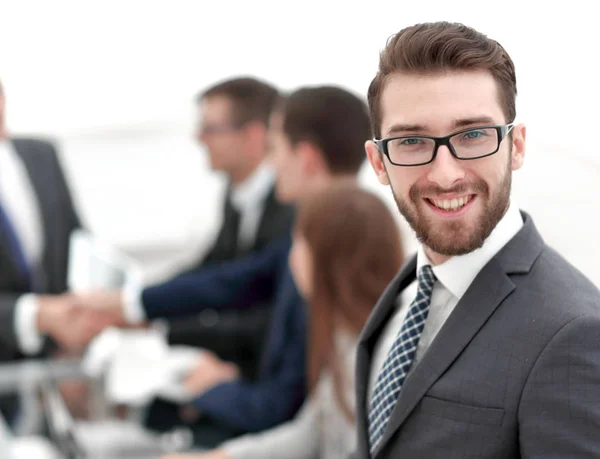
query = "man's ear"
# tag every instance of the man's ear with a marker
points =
(311, 158)
(376, 159)
(255, 133)
(519, 134)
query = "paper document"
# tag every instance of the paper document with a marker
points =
(139, 365)
(95, 265)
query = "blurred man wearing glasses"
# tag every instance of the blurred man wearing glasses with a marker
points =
(232, 127)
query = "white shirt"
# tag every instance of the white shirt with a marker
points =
(20, 204)
(454, 277)
(249, 199)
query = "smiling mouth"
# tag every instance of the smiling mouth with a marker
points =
(450, 205)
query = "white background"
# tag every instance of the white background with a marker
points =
(114, 81)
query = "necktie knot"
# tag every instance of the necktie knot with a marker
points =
(426, 279)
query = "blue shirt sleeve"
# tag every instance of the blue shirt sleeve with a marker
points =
(235, 284)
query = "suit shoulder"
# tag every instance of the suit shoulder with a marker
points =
(38, 144)
(562, 285)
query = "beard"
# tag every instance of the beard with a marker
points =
(452, 238)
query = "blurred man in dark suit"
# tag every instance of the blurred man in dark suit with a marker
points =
(233, 116)
(37, 217)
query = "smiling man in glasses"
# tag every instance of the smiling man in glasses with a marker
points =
(486, 343)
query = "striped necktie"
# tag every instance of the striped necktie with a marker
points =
(399, 359)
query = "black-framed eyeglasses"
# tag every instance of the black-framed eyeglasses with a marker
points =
(467, 144)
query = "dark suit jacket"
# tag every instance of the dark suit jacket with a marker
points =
(275, 397)
(275, 223)
(235, 335)
(514, 372)
(58, 219)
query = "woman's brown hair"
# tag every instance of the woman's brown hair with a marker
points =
(356, 251)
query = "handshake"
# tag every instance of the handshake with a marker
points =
(73, 320)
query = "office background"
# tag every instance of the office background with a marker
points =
(114, 83)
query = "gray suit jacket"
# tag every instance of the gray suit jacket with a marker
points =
(513, 373)
(58, 218)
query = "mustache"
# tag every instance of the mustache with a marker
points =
(477, 187)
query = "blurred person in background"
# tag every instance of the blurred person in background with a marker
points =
(37, 217)
(233, 119)
(316, 137)
(346, 249)
(232, 127)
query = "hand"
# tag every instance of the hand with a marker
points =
(69, 324)
(208, 372)
(76, 394)
(214, 454)
(109, 301)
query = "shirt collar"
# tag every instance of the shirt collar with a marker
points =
(254, 189)
(458, 272)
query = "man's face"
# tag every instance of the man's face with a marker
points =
(288, 163)
(453, 205)
(225, 141)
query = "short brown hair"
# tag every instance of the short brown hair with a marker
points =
(334, 120)
(440, 47)
(356, 251)
(252, 99)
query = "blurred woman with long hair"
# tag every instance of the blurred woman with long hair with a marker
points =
(346, 249)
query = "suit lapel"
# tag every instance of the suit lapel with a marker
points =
(11, 274)
(491, 286)
(37, 168)
(276, 220)
(10, 277)
(386, 304)
(381, 314)
(488, 290)
(269, 212)
(38, 179)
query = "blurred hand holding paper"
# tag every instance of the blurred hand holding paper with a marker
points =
(139, 365)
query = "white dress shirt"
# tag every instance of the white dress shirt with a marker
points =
(249, 199)
(20, 203)
(454, 277)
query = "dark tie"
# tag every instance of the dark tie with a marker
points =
(399, 359)
(231, 226)
(226, 245)
(11, 239)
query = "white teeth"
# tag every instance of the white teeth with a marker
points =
(451, 204)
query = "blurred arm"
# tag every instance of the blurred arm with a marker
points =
(238, 284)
(276, 397)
